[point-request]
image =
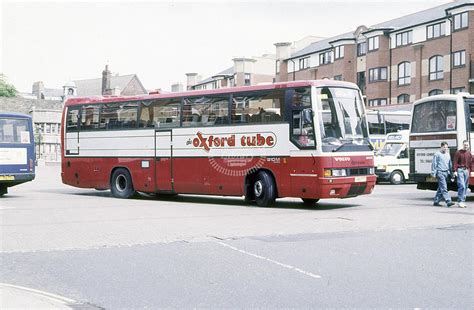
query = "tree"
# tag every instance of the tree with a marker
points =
(6, 90)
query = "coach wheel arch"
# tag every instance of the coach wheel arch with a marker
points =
(260, 186)
(121, 184)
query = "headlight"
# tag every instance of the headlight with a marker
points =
(339, 172)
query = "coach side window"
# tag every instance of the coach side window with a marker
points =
(206, 111)
(72, 119)
(119, 115)
(162, 113)
(258, 107)
(90, 117)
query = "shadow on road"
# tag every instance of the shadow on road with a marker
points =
(330, 204)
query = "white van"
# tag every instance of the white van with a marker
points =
(392, 162)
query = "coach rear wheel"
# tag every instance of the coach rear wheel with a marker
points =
(310, 202)
(264, 189)
(396, 177)
(121, 184)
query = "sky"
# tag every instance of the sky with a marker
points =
(161, 41)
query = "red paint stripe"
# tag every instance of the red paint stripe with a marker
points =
(433, 137)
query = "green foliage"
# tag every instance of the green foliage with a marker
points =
(6, 90)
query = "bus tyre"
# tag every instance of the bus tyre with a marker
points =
(121, 184)
(396, 177)
(310, 202)
(3, 190)
(264, 189)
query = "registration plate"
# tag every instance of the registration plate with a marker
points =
(7, 177)
(360, 179)
(431, 179)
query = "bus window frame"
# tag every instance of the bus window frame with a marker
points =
(289, 114)
(436, 101)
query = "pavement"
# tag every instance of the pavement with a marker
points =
(17, 297)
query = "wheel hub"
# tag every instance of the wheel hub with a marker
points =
(121, 183)
(258, 188)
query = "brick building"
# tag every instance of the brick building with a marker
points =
(394, 62)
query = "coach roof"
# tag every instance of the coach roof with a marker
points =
(193, 93)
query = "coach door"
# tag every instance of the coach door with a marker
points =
(163, 159)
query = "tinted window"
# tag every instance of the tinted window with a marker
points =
(72, 119)
(119, 115)
(258, 107)
(205, 111)
(434, 116)
(14, 131)
(163, 113)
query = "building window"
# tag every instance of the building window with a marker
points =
(338, 77)
(460, 21)
(457, 90)
(378, 74)
(373, 43)
(304, 63)
(325, 58)
(404, 73)
(361, 49)
(436, 68)
(435, 92)
(247, 79)
(403, 98)
(404, 38)
(459, 59)
(377, 102)
(214, 84)
(435, 31)
(339, 52)
(277, 66)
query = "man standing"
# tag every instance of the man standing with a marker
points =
(462, 168)
(441, 168)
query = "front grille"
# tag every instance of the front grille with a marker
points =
(357, 189)
(358, 171)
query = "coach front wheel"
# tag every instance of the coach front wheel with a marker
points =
(264, 189)
(121, 184)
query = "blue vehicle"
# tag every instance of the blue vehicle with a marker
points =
(17, 150)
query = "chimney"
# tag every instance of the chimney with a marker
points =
(106, 77)
(38, 89)
(177, 87)
(283, 50)
(191, 80)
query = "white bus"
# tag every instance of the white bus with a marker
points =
(436, 119)
(391, 162)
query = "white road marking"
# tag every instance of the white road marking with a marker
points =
(6, 208)
(45, 294)
(272, 261)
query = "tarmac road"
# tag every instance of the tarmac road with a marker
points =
(388, 249)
